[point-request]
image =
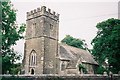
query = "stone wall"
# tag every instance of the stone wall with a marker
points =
(67, 77)
(42, 37)
(37, 46)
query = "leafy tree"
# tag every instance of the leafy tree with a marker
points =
(69, 40)
(106, 45)
(10, 34)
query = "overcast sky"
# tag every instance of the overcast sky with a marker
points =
(77, 18)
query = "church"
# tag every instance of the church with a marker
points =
(42, 52)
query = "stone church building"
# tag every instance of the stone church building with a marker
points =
(44, 55)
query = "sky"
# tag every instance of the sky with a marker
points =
(78, 18)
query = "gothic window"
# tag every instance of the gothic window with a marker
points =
(52, 30)
(51, 26)
(33, 58)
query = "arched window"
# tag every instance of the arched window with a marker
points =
(33, 58)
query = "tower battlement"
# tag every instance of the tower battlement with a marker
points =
(42, 12)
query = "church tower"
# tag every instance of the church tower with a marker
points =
(41, 41)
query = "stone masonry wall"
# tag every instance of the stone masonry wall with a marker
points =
(34, 44)
(41, 36)
(68, 77)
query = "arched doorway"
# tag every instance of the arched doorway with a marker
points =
(32, 71)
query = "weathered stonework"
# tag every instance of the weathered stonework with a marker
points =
(43, 54)
(42, 37)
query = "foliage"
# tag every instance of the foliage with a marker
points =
(81, 67)
(101, 69)
(11, 32)
(69, 40)
(106, 45)
(16, 68)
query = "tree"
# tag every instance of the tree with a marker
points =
(10, 34)
(69, 40)
(106, 45)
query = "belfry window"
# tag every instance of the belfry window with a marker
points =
(51, 26)
(33, 58)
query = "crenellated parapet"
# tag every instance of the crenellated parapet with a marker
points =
(42, 12)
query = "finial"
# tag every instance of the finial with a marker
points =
(43, 8)
(53, 12)
(31, 12)
(38, 9)
(58, 15)
(28, 13)
(35, 10)
(49, 10)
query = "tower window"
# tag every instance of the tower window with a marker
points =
(33, 58)
(51, 26)
(34, 24)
